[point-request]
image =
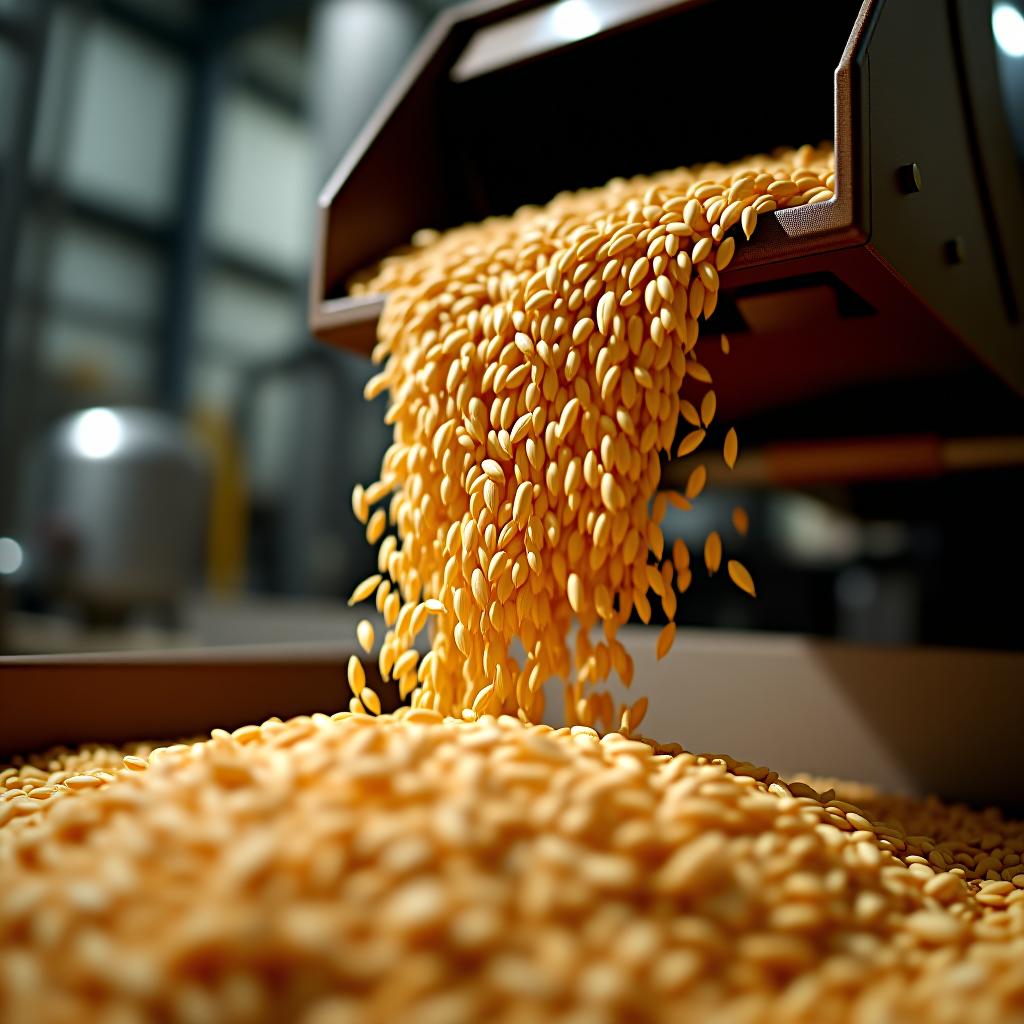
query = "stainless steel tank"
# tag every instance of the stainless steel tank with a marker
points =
(116, 510)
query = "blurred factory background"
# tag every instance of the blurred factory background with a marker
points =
(159, 161)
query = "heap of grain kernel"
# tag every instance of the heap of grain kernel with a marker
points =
(536, 367)
(439, 870)
(342, 869)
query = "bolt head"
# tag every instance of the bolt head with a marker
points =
(908, 177)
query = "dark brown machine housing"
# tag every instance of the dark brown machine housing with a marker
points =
(47, 700)
(914, 269)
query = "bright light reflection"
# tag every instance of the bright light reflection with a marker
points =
(11, 556)
(1008, 28)
(574, 19)
(97, 433)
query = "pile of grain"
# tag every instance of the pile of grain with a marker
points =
(538, 367)
(439, 870)
(350, 868)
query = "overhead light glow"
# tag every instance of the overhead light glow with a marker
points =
(97, 433)
(574, 19)
(1008, 28)
(11, 556)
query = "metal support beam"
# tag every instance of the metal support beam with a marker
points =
(230, 21)
(31, 46)
(15, 356)
(163, 32)
(188, 253)
(185, 255)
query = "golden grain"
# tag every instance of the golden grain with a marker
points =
(574, 591)
(689, 413)
(364, 589)
(478, 587)
(748, 221)
(359, 503)
(376, 526)
(405, 662)
(708, 405)
(698, 371)
(731, 448)
(740, 520)
(695, 481)
(713, 552)
(726, 251)
(82, 782)
(739, 574)
(356, 675)
(690, 443)
(665, 640)
(365, 635)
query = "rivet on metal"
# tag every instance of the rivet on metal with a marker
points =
(908, 177)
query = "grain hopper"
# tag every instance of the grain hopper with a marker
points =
(914, 270)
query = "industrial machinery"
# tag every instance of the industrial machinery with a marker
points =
(913, 273)
(914, 270)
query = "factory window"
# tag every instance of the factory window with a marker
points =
(126, 123)
(244, 320)
(261, 180)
